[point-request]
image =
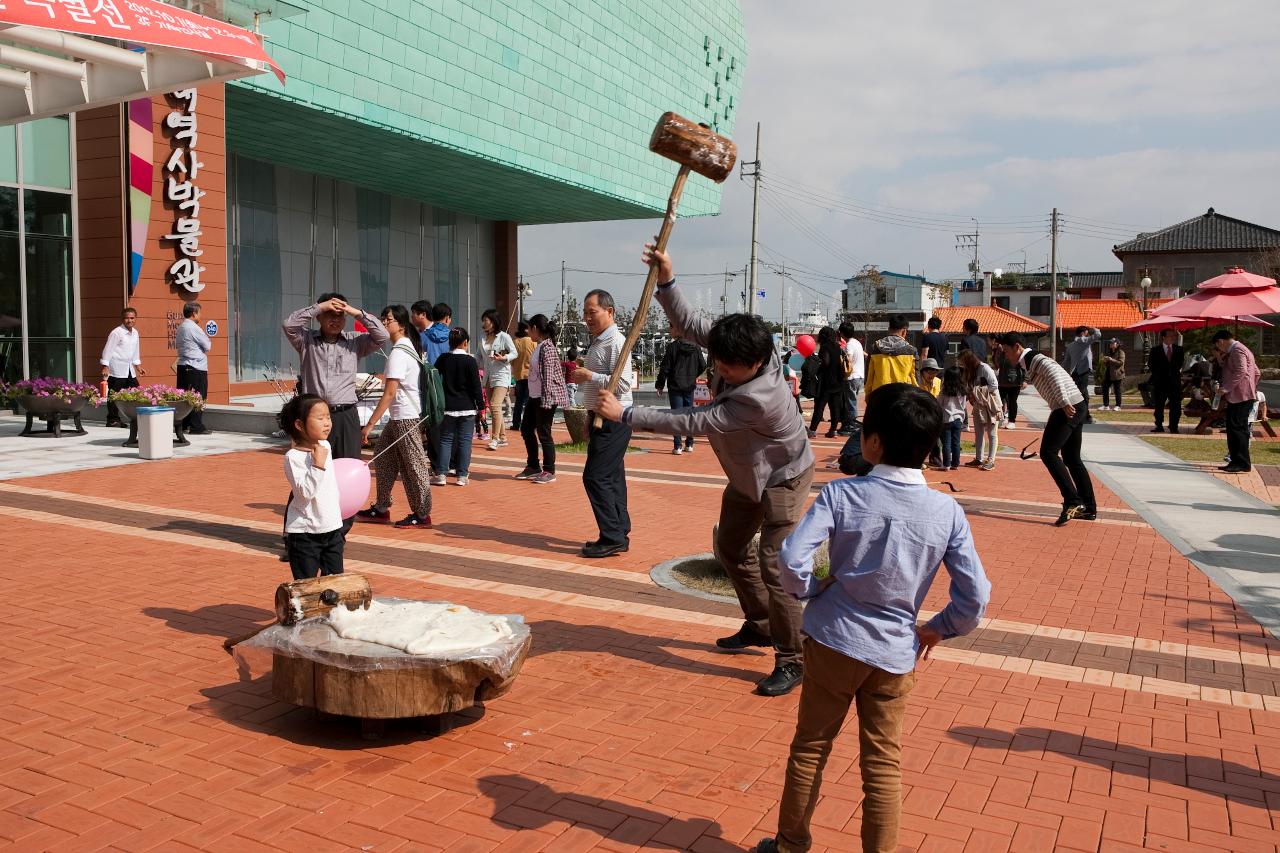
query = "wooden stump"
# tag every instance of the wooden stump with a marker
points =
(350, 688)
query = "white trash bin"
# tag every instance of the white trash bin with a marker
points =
(155, 432)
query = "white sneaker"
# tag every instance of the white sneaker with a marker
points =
(493, 445)
(675, 451)
(1011, 425)
(1116, 409)
(439, 480)
(689, 449)
(502, 443)
(461, 481)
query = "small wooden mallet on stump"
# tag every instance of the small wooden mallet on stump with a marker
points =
(696, 148)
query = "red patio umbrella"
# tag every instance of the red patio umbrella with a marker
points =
(1237, 279)
(1183, 324)
(1223, 305)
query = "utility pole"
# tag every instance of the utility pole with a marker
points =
(782, 289)
(1053, 285)
(724, 300)
(754, 174)
(564, 302)
(964, 242)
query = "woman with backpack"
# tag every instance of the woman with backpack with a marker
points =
(1010, 375)
(546, 392)
(832, 359)
(401, 394)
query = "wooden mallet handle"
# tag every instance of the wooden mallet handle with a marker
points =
(650, 284)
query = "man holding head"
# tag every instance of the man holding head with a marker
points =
(330, 357)
(755, 431)
(605, 476)
(122, 360)
(193, 346)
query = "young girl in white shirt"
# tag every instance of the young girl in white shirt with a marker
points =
(313, 520)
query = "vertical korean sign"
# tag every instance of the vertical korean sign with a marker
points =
(182, 193)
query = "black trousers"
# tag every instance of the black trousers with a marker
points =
(518, 406)
(117, 383)
(1239, 432)
(431, 440)
(535, 429)
(834, 400)
(1167, 394)
(313, 554)
(605, 479)
(1060, 451)
(1082, 382)
(1113, 385)
(191, 379)
(1010, 397)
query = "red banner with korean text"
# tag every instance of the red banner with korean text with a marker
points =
(142, 22)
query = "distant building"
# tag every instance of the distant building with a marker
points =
(1181, 256)
(1028, 294)
(867, 303)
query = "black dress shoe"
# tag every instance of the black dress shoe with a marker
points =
(744, 639)
(766, 845)
(597, 550)
(1158, 429)
(782, 680)
(1234, 469)
(1173, 430)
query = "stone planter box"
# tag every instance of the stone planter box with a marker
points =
(575, 420)
(52, 410)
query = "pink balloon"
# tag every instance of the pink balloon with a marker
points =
(353, 484)
(805, 345)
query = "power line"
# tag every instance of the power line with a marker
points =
(950, 220)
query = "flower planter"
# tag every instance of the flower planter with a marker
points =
(52, 410)
(129, 411)
(575, 420)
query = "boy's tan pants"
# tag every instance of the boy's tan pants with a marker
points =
(832, 682)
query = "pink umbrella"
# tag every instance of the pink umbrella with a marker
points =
(1183, 324)
(1223, 305)
(1237, 279)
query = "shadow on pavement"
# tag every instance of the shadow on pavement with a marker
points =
(554, 636)
(276, 508)
(214, 620)
(249, 705)
(1237, 782)
(531, 540)
(1220, 508)
(523, 803)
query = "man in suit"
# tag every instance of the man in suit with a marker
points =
(759, 437)
(1165, 364)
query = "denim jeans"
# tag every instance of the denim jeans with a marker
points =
(853, 389)
(517, 408)
(951, 443)
(681, 400)
(455, 436)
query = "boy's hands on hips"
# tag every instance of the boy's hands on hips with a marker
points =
(928, 639)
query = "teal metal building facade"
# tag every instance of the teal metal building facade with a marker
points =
(413, 136)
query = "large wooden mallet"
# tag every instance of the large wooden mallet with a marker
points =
(696, 148)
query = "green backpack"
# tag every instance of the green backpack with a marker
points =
(430, 390)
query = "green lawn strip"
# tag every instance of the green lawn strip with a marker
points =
(581, 447)
(1213, 449)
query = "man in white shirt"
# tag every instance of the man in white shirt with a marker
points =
(193, 363)
(859, 375)
(122, 360)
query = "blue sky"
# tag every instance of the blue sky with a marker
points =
(1124, 115)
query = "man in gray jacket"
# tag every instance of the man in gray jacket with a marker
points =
(755, 431)
(1079, 362)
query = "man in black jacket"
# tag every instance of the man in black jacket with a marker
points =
(682, 364)
(1165, 363)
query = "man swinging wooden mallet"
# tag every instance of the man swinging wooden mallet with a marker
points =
(697, 149)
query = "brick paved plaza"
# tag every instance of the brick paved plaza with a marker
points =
(1115, 699)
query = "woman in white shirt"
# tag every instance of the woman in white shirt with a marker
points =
(499, 350)
(400, 394)
(984, 395)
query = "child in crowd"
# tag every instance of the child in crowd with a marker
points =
(463, 401)
(952, 399)
(888, 533)
(313, 520)
(929, 380)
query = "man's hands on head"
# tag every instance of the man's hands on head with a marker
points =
(652, 257)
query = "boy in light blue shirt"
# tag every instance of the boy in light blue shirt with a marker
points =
(888, 534)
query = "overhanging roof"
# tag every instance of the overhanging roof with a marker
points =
(57, 58)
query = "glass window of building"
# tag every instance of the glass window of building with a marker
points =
(37, 275)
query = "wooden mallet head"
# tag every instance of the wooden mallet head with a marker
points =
(694, 145)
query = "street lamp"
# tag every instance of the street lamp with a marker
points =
(1146, 347)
